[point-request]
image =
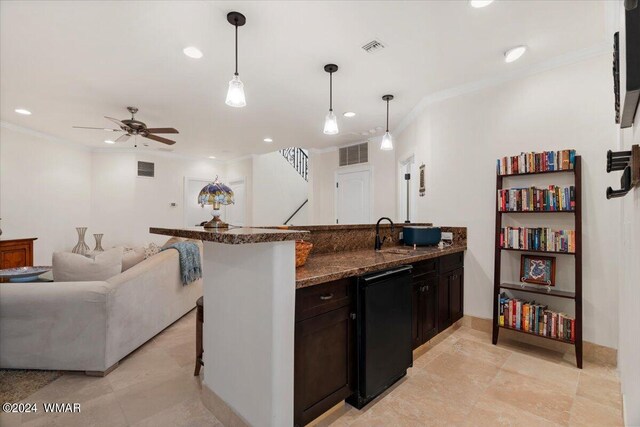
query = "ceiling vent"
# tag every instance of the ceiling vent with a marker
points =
(354, 154)
(373, 46)
(146, 169)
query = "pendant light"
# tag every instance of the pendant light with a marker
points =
(331, 122)
(387, 139)
(235, 94)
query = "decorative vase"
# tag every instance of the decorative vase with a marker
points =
(98, 247)
(81, 248)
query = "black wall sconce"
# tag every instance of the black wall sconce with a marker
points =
(629, 163)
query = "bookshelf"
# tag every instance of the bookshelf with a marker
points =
(576, 295)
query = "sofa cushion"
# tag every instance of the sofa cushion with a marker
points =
(69, 267)
(131, 257)
(151, 250)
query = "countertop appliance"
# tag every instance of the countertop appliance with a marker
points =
(421, 235)
(383, 332)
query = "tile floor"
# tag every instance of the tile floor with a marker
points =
(462, 380)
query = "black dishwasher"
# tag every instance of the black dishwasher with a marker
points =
(383, 331)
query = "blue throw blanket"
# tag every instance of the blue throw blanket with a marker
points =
(190, 267)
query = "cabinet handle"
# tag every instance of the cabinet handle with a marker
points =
(353, 316)
(326, 297)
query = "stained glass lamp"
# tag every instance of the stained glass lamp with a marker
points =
(217, 194)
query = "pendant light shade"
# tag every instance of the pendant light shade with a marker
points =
(330, 121)
(330, 124)
(235, 94)
(387, 139)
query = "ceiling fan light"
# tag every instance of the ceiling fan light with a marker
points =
(235, 94)
(109, 141)
(387, 142)
(330, 124)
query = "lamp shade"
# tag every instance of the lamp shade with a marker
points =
(215, 192)
(387, 142)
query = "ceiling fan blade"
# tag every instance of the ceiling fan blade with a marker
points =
(123, 138)
(162, 130)
(159, 139)
(116, 121)
(107, 129)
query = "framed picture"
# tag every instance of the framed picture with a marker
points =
(540, 270)
(423, 187)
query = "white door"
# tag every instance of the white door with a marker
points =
(353, 197)
(234, 214)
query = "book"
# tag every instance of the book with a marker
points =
(537, 319)
(545, 161)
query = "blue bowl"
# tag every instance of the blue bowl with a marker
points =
(421, 235)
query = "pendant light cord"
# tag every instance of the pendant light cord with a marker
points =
(330, 91)
(387, 115)
(236, 25)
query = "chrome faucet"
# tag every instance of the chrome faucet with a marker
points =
(379, 242)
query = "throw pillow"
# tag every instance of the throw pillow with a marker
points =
(68, 267)
(132, 256)
(151, 250)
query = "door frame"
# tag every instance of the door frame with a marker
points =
(243, 180)
(362, 167)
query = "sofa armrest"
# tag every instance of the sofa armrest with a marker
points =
(58, 325)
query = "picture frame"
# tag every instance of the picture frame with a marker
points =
(423, 187)
(537, 269)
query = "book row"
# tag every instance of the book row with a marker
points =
(538, 239)
(536, 319)
(537, 162)
(534, 199)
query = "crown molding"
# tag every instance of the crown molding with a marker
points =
(44, 136)
(553, 63)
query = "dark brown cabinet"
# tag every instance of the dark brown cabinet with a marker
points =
(324, 365)
(425, 309)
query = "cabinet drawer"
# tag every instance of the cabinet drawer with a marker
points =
(425, 268)
(451, 262)
(320, 299)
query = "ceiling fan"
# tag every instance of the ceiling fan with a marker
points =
(133, 127)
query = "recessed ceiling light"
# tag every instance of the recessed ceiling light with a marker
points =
(349, 114)
(192, 52)
(108, 141)
(480, 3)
(514, 53)
(212, 157)
(22, 111)
(268, 140)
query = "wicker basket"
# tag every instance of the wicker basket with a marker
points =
(302, 252)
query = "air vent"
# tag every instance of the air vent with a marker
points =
(373, 46)
(354, 154)
(146, 169)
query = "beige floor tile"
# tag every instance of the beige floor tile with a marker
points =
(9, 419)
(480, 352)
(183, 354)
(474, 335)
(103, 411)
(465, 370)
(143, 366)
(489, 412)
(563, 377)
(538, 397)
(600, 390)
(586, 412)
(147, 398)
(191, 413)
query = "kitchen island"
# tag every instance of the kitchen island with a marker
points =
(261, 314)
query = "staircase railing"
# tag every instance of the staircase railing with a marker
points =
(298, 159)
(296, 211)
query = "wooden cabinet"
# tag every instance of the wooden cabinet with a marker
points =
(324, 365)
(438, 287)
(16, 253)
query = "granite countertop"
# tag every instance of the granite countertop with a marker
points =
(233, 236)
(323, 268)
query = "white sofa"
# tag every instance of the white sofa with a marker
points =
(91, 326)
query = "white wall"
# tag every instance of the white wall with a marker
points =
(278, 190)
(322, 169)
(44, 191)
(629, 294)
(124, 206)
(243, 169)
(459, 140)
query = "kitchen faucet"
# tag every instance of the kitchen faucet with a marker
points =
(379, 242)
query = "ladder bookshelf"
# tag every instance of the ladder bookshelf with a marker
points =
(576, 295)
